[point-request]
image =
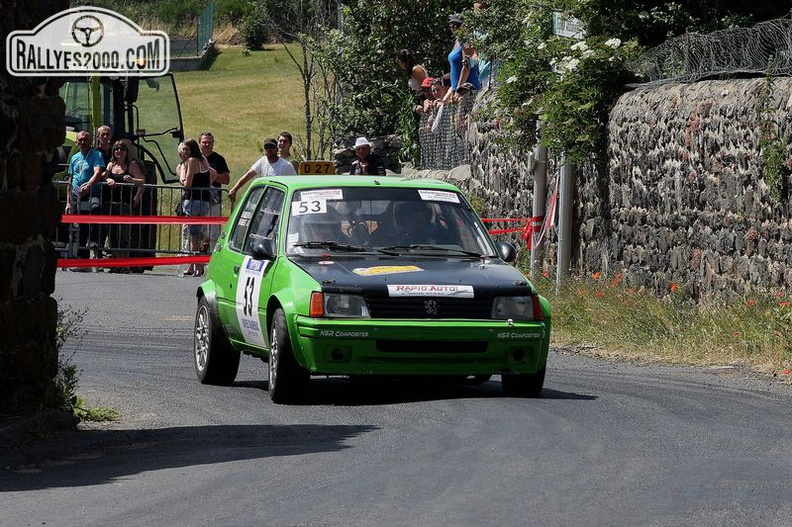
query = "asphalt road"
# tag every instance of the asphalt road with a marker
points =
(606, 444)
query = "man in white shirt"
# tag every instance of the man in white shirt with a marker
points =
(267, 165)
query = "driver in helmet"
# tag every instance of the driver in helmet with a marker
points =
(322, 227)
(413, 222)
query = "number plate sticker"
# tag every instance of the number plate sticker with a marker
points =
(247, 300)
(319, 168)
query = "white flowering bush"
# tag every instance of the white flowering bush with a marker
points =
(569, 84)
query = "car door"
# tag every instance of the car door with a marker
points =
(247, 279)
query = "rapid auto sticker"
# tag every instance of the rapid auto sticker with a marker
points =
(247, 300)
(438, 195)
(456, 291)
(386, 269)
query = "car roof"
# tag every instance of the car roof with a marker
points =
(301, 182)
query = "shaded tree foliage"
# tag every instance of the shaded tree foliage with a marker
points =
(362, 55)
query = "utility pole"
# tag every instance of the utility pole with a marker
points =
(539, 196)
(565, 203)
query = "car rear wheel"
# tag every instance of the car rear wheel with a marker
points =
(216, 361)
(288, 381)
(523, 384)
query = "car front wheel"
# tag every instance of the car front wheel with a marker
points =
(216, 361)
(523, 384)
(288, 381)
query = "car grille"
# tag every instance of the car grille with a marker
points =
(431, 346)
(471, 308)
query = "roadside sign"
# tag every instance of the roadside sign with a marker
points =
(87, 40)
(567, 26)
(320, 168)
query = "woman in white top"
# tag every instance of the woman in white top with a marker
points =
(416, 72)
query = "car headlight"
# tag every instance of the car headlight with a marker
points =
(517, 308)
(338, 305)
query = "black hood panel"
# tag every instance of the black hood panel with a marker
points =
(371, 275)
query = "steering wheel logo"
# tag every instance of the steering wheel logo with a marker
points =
(87, 31)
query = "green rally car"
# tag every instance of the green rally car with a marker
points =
(366, 276)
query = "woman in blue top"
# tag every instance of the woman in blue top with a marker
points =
(463, 61)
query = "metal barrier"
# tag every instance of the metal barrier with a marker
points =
(134, 226)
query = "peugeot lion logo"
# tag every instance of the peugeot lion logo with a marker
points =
(87, 31)
(431, 307)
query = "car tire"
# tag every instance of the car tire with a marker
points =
(523, 384)
(216, 361)
(288, 381)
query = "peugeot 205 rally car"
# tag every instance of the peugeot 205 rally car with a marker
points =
(366, 276)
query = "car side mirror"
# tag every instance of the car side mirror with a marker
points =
(264, 250)
(507, 251)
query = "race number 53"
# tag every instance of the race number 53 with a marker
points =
(314, 206)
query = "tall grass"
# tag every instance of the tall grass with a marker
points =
(610, 319)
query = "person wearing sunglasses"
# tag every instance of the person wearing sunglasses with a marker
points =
(270, 164)
(120, 176)
(85, 194)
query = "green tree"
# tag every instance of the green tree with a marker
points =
(362, 56)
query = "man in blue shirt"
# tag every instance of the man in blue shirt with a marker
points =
(86, 169)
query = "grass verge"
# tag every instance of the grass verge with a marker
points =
(603, 317)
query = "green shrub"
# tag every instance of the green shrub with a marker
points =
(233, 11)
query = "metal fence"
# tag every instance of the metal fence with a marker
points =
(193, 42)
(143, 222)
(763, 48)
(442, 135)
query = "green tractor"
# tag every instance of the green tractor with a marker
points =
(145, 110)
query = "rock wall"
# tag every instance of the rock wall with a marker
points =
(689, 200)
(31, 127)
(686, 201)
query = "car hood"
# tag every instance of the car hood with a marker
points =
(415, 276)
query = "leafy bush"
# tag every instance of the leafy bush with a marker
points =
(232, 11)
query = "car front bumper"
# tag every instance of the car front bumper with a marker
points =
(426, 347)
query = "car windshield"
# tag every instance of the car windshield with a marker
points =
(387, 220)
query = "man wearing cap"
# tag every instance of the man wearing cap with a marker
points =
(366, 164)
(270, 164)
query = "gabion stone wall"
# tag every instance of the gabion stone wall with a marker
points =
(686, 201)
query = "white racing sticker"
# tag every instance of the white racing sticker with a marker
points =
(456, 291)
(247, 300)
(438, 195)
(325, 194)
(314, 206)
